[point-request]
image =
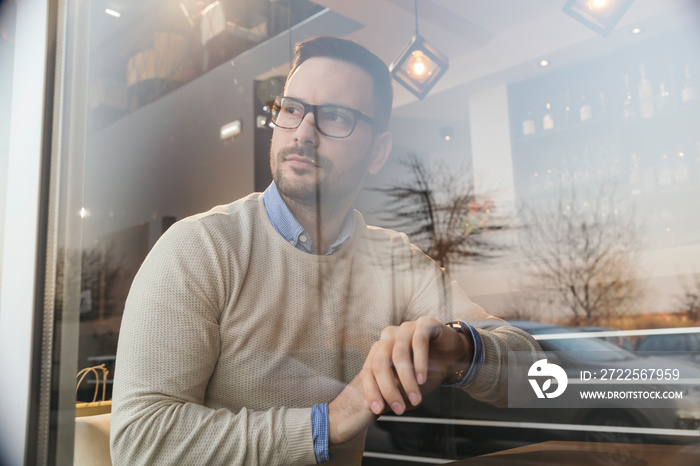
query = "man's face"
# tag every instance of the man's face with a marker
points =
(302, 159)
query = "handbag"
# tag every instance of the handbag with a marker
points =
(93, 407)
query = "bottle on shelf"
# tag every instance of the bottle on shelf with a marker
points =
(646, 98)
(565, 173)
(635, 176)
(567, 120)
(662, 100)
(536, 183)
(550, 179)
(528, 124)
(689, 91)
(614, 170)
(548, 117)
(602, 104)
(697, 144)
(629, 110)
(574, 167)
(607, 163)
(665, 171)
(681, 172)
(584, 172)
(585, 110)
(649, 176)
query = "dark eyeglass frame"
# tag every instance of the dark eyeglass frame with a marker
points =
(309, 108)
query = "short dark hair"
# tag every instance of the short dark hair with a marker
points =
(355, 54)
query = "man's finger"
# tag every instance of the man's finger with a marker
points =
(403, 363)
(383, 370)
(421, 353)
(372, 394)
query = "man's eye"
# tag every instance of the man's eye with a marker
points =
(338, 117)
(292, 109)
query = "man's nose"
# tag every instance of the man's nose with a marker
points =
(306, 132)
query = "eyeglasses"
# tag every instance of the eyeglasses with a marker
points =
(331, 120)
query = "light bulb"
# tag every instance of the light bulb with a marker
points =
(418, 68)
(417, 64)
(596, 4)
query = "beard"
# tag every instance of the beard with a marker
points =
(304, 190)
(319, 186)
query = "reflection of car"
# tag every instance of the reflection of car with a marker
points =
(685, 346)
(621, 341)
(454, 414)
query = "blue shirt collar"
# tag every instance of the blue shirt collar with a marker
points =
(289, 228)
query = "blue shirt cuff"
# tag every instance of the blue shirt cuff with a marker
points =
(477, 360)
(319, 429)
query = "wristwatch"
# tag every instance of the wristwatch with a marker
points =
(457, 378)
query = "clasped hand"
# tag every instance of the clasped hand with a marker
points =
(407, 362)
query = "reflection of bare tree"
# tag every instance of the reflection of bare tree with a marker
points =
(584, 252)
(528, 307)
(689, 299)
(438, 210)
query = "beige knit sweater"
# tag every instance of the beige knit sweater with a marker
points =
(230, 335)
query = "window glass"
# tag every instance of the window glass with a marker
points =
(552, 172)
(143, 167)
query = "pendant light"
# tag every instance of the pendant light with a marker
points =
(420, 65)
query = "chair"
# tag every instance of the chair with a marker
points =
(92, 441)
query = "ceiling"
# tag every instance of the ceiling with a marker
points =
(487, 41)
(496, 40)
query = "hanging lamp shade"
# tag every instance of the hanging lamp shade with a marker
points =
(599, 15)
(419, 66)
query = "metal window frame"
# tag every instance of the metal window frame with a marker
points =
(39, 304)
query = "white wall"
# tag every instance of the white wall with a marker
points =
(19, 259)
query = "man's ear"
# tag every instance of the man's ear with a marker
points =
(380, 152)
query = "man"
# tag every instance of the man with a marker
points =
(275, 329)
